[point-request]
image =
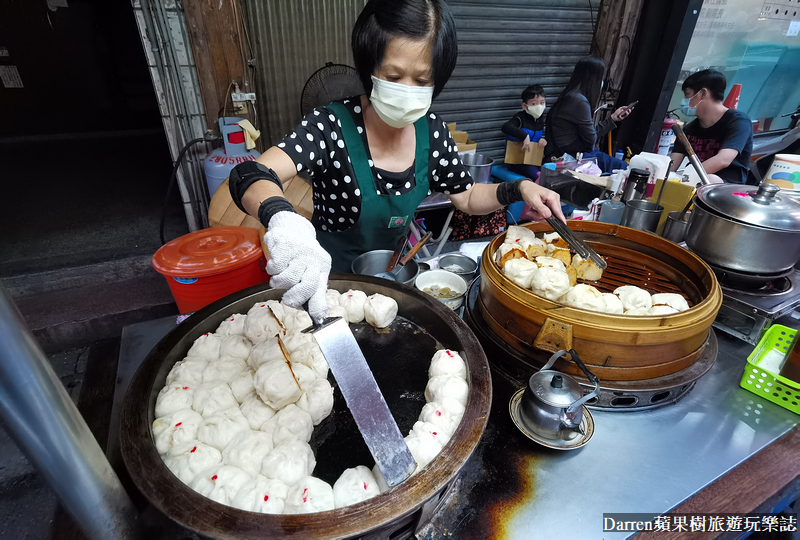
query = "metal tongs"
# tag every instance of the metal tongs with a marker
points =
(578, 245)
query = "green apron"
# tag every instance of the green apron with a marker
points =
(384, 218)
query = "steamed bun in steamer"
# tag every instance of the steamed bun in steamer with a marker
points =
(219, 429)
(635, 300)
(266, 351)
(261, 494)
(551, 283)
(247, 450)
(292, 342)
(189, 459)
(426, 429)
(673, 300)
(613, 304)
(515, 234)
(448, 363)
(380, 310)
(354, 486)
(317, 400)
(256, 411)
(213, 396)
(174, 397)
(232, 326)
(309, 495)
(289, 462)
(262, 323)
(291, 423)
(336, 311)
(235, 346)
(551, 262)
(520, 271)
(206, 347)
(220, 484)
(585, 297)
(188, 370)
(295, 320)
(353, 303)
(242, 385)
(175, 429)
(440, 416)
(442, 387)
(223, 369)
(662, 310)
(424, 449)
(332, 297)
(507, 252)
(276, 384)
(311, 357)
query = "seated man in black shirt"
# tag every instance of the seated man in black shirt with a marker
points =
(527, 127)
(721, 137)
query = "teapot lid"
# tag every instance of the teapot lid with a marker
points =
(555, 388)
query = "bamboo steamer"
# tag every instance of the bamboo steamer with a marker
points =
(614, 347)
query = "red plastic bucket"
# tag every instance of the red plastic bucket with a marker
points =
(207, 265)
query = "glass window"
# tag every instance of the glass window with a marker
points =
(755, 43)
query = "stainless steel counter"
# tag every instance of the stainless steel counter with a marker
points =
(645, 462)
(637, 461)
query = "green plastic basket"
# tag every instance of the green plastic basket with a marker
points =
(770, 386)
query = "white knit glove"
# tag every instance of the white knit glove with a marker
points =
(298, 263)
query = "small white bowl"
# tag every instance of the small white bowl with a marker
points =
(443, 278)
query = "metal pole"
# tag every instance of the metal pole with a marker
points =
(39, 415)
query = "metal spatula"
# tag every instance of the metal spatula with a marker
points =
(364, 398)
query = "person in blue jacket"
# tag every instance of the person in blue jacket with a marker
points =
(527, 127)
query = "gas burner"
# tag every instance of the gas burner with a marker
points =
(754, 284)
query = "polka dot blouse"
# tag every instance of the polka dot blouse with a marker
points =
(317, 147)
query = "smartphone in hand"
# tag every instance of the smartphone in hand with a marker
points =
(631, 106)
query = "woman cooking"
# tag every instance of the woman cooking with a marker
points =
(371, 158)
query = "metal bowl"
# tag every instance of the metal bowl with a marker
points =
(374, 262)
(479, 167)
(335, 442)
(459, 264)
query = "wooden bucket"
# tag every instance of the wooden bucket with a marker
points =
(614, 347)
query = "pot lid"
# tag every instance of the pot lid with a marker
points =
(208, 252)
(555, 388)
(762, 206)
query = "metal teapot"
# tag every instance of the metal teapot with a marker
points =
(552, 404)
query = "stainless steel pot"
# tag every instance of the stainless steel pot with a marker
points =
(744, 228)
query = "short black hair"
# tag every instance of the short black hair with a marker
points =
(710, 79)
(532, 91)
(382, 20)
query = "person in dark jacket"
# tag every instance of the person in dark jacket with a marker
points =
(527, 127)
(570, 125)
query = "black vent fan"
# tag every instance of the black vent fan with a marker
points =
(327, 84)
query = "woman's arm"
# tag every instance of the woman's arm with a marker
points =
(283, 166)
(482, 199)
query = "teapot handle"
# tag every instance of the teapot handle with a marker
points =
(589, 375)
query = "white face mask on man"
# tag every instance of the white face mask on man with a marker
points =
(400, 105)
(686, 106)
(535, 110)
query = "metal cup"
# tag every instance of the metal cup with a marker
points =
(642, 215)
(675, 227)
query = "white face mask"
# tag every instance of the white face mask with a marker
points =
(535, 110)
(400, 105)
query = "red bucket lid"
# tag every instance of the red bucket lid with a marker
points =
(208, 252)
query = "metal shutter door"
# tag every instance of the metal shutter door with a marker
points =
(504, 46)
